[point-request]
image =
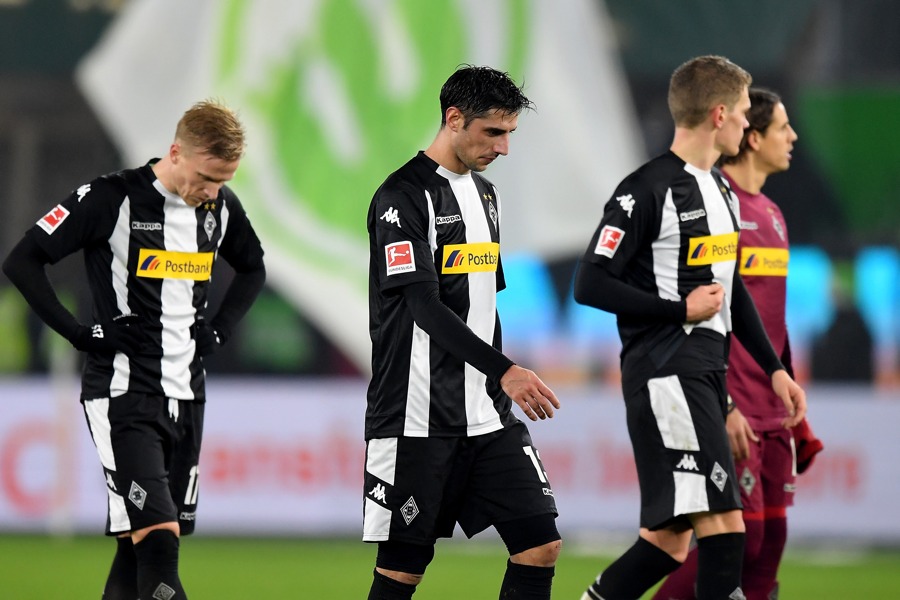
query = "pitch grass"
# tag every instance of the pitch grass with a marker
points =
(44, 568)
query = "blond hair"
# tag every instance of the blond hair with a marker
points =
(702, 83)
(212, 127)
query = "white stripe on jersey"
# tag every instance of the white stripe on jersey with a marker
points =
(665, 251)
(418, 391)
(118, 243)
(480, 413)
(97, 412)
(719, 219)
(177, 300)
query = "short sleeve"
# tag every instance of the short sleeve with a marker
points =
(402, 236)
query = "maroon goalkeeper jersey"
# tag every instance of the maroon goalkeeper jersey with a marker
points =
(763, 262)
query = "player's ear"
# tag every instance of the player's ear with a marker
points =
(753, 140)
(455, 119)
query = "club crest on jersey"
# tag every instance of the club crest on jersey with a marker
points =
(709, 249)
(209, 225)
(609, 240)
(470, 258)
(53, 219)
(399, 258)
(392, 216)
(492, 211)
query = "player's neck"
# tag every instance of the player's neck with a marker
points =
(746, 176)
(441, 152)
(696, 147)
(162, 169)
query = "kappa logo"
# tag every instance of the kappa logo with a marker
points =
(627, 203)
(392, 216)
(691, 215)
(82, 191)
(688, 463)
(54, 218)
(609, 240)
(379, 493)
(399, 258)
(447, 220)
(142, 226)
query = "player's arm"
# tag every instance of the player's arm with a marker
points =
(26, 268)
(449, 331)
(749, 330)
(596, 286)
(243, 251)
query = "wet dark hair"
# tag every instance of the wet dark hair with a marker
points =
(476, 91)
(762, 107)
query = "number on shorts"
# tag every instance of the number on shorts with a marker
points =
(193, 486)
(534, 456)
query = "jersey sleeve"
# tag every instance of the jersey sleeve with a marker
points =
(630, 218)
(85, 217)
(402, 251)
(240, 246)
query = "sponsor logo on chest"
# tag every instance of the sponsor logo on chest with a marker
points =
(771, 262)
(709, 249)
(470, 258)
(165, 264)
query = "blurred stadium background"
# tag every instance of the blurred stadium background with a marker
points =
(336, 94)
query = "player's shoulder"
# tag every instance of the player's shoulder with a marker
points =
(652, 179)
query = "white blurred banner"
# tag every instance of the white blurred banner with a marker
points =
(285, 457)
(337, 94)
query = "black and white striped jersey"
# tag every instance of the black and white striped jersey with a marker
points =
(148, 253)
(668, 228)
(428, 224)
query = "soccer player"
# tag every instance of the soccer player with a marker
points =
(664, 260)
(149, 237)
(762, 447)
(442, 444)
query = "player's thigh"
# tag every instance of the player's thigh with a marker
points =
(779, 469)
(132, 441)
(408, 487)
(508, 481)
(683, 457)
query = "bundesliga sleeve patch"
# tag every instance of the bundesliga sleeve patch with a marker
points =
(399, 258)
(53, 219)
(609, 240)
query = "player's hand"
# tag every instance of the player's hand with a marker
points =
(792, 395)
(704, 302)
(206, 337)
(529, 392)
(740, 434)
(123, 334)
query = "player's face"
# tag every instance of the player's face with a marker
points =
(777, 142)
(198, 176)
(728, 137)
(485, 139)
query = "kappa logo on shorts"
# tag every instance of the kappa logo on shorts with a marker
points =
(163, 592)
(688, 463)
(379, 493)
(719, 476)
(137, 495)
(409, 510)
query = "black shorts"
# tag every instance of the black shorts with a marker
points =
(149, 447)
(417, 489)
(681, 447)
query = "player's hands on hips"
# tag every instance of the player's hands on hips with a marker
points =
(529, 392)
(792, 395)
(740, 434)
(704, 302)
(123, 334)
